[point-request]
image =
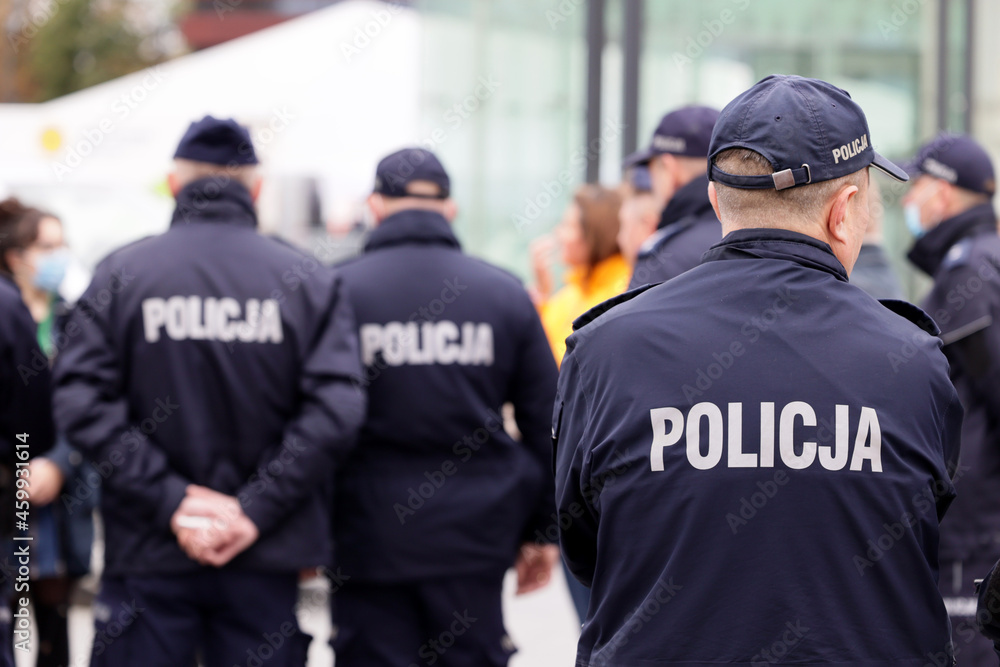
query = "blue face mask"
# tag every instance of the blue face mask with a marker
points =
(51, 270)
(911, 214)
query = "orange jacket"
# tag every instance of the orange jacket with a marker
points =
(609, 278)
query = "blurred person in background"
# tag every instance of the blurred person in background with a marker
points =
(33, 253)
(587, 238)
(872, 272)
(677, 159)
(26, 431)
(219, 396)
(639, 214)
(949, 210)
(437, 501)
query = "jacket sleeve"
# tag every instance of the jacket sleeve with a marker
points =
(570, 436)
(92, 409)
(332, 409)
(532, 390)
(970, 322)
(26, 389)
(951, 437)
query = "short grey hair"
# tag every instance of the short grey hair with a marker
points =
(768, 208)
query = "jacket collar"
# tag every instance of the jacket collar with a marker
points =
(206, 200)
(777, 244)
(412, 226)
(690, 200)
(930, 249)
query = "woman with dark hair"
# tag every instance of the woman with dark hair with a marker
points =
(33, 254)
(596, 271)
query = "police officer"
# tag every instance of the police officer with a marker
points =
(438, 501)
(755, 481)
(26, 430)
(208, 376)
(950, 210)
(677, 165)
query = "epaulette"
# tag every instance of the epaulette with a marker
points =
(912, 313)
(958, 255)
(605, 306)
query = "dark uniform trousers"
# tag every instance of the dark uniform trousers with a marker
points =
(241, 619)
(448, 622)
(958, 589)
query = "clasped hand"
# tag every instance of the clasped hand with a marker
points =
(211, 527)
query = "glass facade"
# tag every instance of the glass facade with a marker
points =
(508, 144)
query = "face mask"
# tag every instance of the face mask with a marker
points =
(911, 214)
(51, 270)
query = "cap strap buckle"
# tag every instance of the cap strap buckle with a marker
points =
(787, 178)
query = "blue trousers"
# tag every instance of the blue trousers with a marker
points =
(453, 622)
(227, 618)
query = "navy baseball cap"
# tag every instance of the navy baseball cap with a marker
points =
(958, 159)
(809, 130)
(222, 142)
(395, 171)
(638, 177)
(686, 131)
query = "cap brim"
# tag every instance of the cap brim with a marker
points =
(639, 158)
(890, 168)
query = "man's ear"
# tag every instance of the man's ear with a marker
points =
(450, 209)
(376, 204)
(672, 167)
(837, 227)
(255, 188)
(714, 198)
(173, 183)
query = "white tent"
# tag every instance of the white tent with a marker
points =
(325, 95)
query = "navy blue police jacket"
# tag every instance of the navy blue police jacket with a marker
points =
(216, 356)
(687, 229)
(963, 256)
(436, 487)
(26, 387)
(744, 476)
(26, 426)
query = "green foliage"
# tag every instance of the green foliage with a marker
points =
(83, 43)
